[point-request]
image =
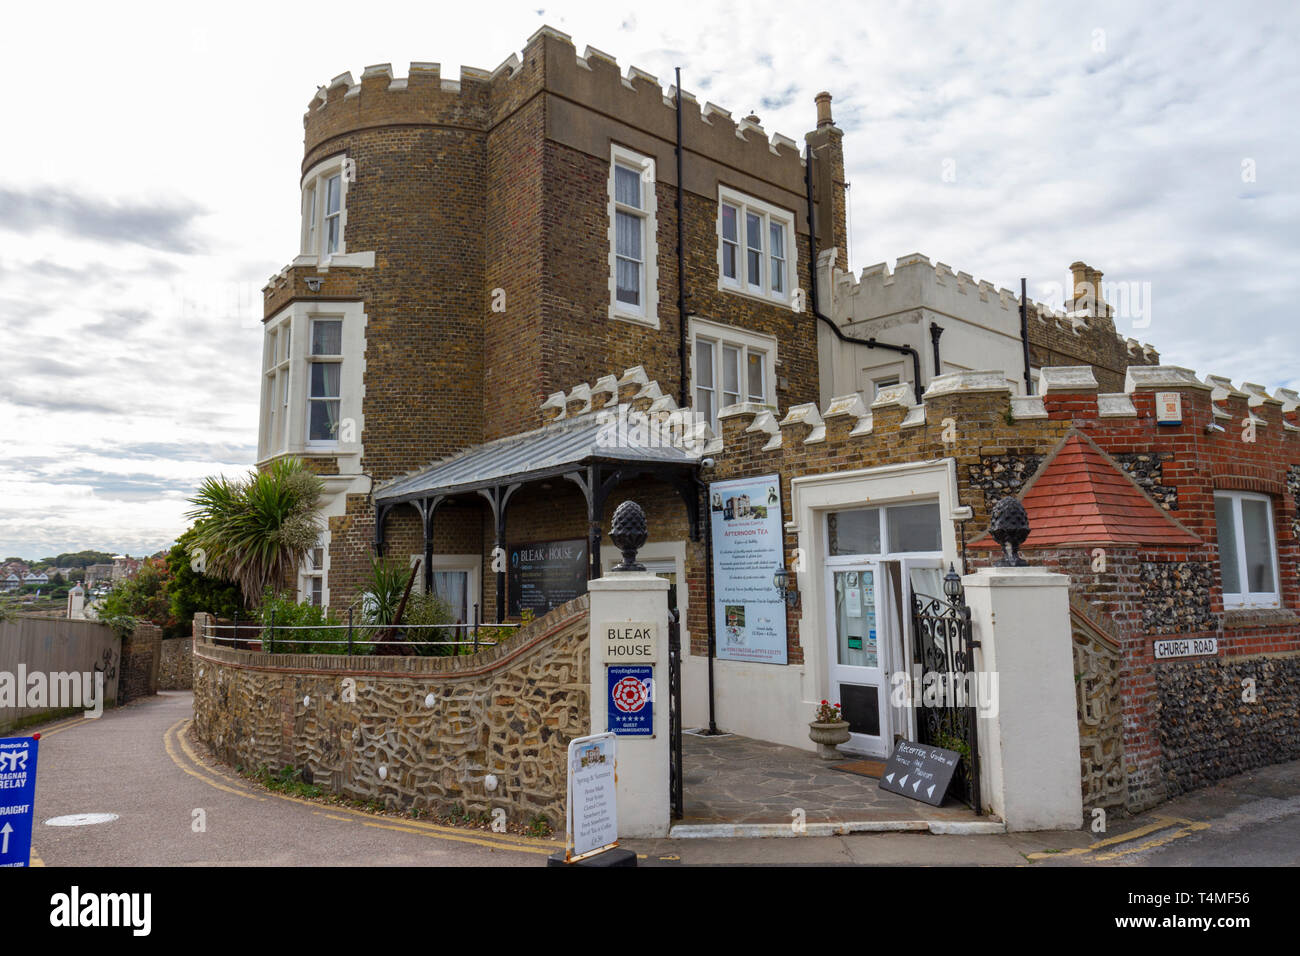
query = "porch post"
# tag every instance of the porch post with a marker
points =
(427, 507)
(498, 497)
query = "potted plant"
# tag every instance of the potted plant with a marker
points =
(828, 729)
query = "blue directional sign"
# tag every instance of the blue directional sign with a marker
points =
(17, 795)
(631, 701)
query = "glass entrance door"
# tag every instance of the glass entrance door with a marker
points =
(858, 656)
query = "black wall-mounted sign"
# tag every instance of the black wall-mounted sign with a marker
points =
(544, 574)
(919, 771)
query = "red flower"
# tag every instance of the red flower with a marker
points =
(823, 702)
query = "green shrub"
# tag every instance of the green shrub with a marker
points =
(289, 614)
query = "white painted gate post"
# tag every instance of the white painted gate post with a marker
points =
(618, 599)
(1029, 749)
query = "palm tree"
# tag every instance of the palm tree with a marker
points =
(256, 531)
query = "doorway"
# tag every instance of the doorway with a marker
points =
(860, 633)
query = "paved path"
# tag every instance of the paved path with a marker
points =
(137, 762)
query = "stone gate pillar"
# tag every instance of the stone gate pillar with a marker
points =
(1029, 748)
(629, 629)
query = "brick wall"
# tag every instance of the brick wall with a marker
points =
(140, 653)
(1143, 593)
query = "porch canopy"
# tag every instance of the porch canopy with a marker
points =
(595, 451)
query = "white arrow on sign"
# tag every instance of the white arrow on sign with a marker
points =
(903, 782)
(916, 786)
(890, 776)
(930, 792)
(5, 831)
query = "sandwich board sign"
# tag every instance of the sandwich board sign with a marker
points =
(17, 795)
(919, 771)
(591, 815)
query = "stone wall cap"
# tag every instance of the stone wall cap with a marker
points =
(1028, 406)
(627, 581)
(1031, 577)
(741, 408)
(1222, 388)
(846, 405)
(1068, 379)
(986, 380)
(1115, 405)
(1161, 376)
(899, 395)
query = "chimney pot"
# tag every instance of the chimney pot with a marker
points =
(823, 100)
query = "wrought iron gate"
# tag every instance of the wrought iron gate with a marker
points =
(674, 709)
(945, 652)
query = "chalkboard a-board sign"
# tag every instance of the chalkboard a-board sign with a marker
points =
(919, 771)
(544, 574)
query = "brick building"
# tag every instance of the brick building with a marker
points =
(490, 339)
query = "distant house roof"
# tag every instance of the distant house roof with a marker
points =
(1081, 496)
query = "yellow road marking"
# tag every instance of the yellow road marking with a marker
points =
(437, 831)
(171, 752)
(59, 728)
(1187, 827)
(480, 841)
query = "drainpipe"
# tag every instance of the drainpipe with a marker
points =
(936, 330)
(682, 401)
(1024, 337)
(870, 343)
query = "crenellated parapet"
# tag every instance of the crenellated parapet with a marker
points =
(480, 98)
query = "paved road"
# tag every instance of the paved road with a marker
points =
(136, 762)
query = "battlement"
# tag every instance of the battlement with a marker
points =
(915, 282)
(549, 60)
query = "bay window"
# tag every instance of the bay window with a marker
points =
(753, 239)
(1247, 549)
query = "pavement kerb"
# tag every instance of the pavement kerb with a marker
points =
(705, 831)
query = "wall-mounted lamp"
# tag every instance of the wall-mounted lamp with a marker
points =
(781, 579)
(952, 584)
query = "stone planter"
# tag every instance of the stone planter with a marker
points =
(827, 736)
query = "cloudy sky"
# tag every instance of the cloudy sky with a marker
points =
(149, 187)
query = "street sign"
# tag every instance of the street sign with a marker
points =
(1185, 647)
(591, 815)
(919, 771)
(631, 700)
(17, 796)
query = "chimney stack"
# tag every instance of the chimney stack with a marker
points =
(1086, 283)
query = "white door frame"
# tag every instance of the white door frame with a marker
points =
(811, 496)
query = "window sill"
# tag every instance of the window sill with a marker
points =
(1243, 617)
(782, 302)
(649, 321)
(340, 260)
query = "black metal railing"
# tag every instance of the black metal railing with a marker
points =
(675, 712)
(946, 709)
(352, 638)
